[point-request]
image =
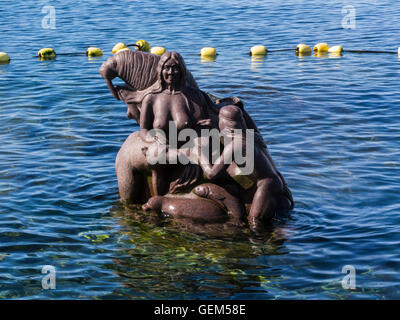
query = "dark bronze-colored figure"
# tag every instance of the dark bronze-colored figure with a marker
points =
(229, 202)
(132, 169)
(269, 186)
(171, 99)
(198, 210)
(160, 92)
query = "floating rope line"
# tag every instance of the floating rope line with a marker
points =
(269, 51)
(350, 51)
(71, 54)
(207, 53)
(281, 50)
(50, 54)
(369, 51)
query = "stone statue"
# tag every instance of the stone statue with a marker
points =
(162, 95)
(267, 181)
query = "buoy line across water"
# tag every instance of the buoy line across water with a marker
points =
(206, 53)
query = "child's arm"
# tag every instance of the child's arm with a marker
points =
(212, 171)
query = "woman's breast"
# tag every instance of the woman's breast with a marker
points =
(181, 112)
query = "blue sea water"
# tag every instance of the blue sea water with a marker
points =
(332, 125)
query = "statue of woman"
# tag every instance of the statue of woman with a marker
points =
(170, 99)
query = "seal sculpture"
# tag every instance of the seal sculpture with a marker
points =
(198, 210)
(230, 203)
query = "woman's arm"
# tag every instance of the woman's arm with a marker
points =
(146, 119)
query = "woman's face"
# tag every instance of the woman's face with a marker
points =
(171, 73)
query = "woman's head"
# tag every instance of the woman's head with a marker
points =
(172, 70)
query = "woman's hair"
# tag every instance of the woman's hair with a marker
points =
(137, 69)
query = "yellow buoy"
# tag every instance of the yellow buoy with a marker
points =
(157, 50)
(94, 52)
(208, 52)
(46, 53)
(398, 51)
(321, 47)
(258, 51)
(119, 46)
(143, 45)
(303, 49)
(4, 57)
(336, 49)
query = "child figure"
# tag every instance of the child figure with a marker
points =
(269, 186)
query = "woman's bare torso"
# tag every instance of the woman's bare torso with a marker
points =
(174, 107)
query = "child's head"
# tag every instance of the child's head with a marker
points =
(231, 117)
